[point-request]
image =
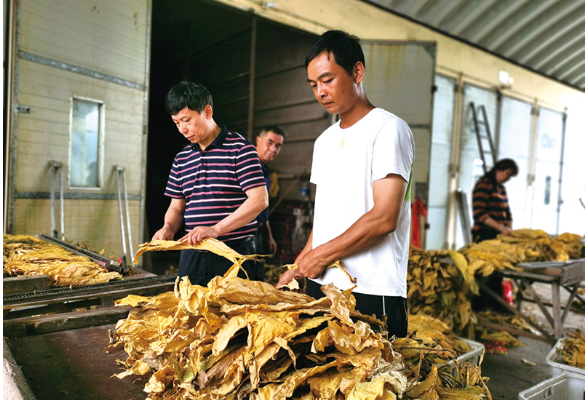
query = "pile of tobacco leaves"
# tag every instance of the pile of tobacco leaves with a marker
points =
(239, 339)
(26, 255)
(573, 349)
(442, 282)
(437, 288)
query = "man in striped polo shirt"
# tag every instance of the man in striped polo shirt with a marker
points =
(216, 186)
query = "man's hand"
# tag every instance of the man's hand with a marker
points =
(197, 234)
(174, 216)
(288, 276)
(505, 230)
(164, 233)
(311, 265)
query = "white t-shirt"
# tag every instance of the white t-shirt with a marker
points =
(344, 165)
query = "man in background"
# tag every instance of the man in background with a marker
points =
(269, 143)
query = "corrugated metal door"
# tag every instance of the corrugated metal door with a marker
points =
(440, 160)
(470, 164)
(547, 168)
(514, 143)
(399, 78)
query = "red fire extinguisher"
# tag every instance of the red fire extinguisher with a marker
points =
(507, 291)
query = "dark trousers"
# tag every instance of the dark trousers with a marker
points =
(395, 306)
(484, 234)
(260, 248)
(484, 301)
(202, 266)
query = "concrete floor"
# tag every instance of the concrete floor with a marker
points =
(508, 374)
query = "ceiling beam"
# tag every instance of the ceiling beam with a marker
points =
(411, 8)
(394, 4)
(543, 29)
(435, 10)
(490, 19)
(561, 57)
(536, 50)
(528, 12)
(573, 74)
(579, 80)
(554, 51)
(570, 68)
(463, 15)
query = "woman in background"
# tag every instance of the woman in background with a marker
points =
(492, 217)
(491, 211)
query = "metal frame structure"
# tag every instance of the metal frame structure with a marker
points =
(568, 274)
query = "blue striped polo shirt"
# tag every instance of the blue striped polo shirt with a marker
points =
(214, 181)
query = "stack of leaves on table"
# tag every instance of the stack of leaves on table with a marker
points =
(26, 255)
(239, 339)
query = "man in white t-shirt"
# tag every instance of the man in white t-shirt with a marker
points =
(362, 170)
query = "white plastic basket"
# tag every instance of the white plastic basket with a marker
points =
(567, 386)
(555, 361)
(473, 356)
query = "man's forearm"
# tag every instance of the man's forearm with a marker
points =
(241, 216)
(307, 248)
(365, 232)
(492, 223)
(173, 219)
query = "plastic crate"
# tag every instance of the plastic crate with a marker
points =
(555, 361)
(473, 356)
(568, 386)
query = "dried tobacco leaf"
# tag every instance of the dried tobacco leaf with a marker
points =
(28, 256)
(573, 349)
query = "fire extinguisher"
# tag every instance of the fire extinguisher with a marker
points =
(507, 291)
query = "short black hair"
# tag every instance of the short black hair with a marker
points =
(272, 128)
(187, 94)
(344, 46)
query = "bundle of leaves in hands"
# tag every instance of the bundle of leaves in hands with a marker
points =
(26, 255)
(573, 349)
(438, 288)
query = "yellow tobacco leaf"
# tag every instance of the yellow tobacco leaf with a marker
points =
(426, 388)
(241, 291)
(159, 380)
(469, 393)
(295, 379)
(139, 368)
(326, 384)
(209, 244)
(131, 300)
(322, 340)
(462, 264)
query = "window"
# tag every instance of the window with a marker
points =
(85, 145)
